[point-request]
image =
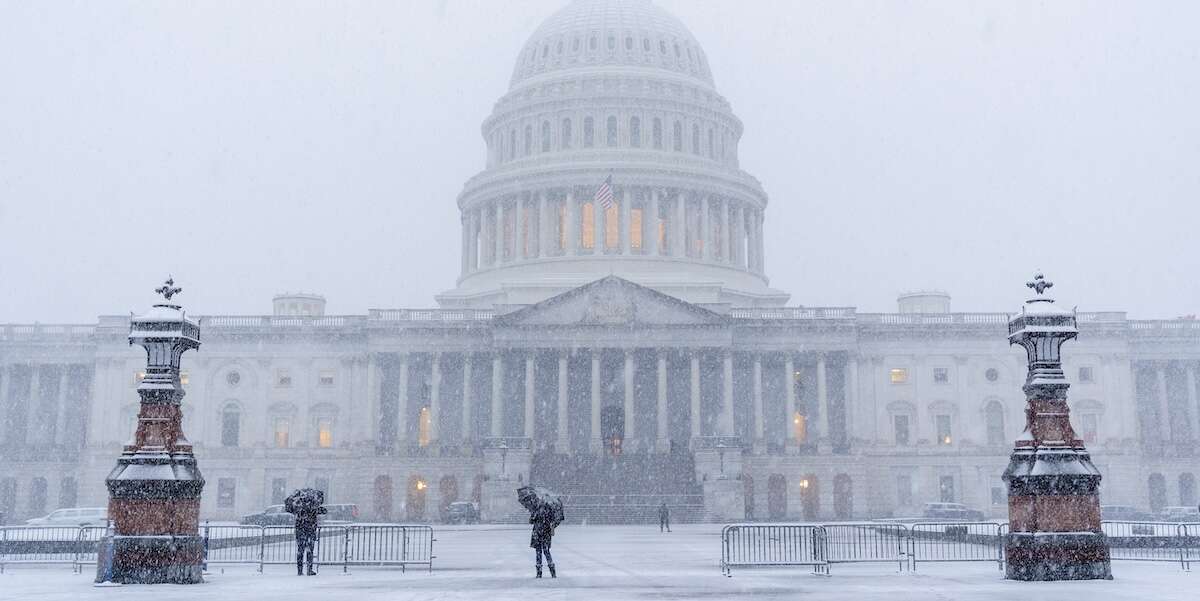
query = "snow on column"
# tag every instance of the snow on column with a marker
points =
(468, 432)
(678, 225)
(529, 389)
(402, 401)
(705, 230)
(727, 394)
(595, 406)
(758, 399)
(1164, 408)
(435, 388)
(822, 400)
(497, 391)
(499, 232)
(628, 373)
(664, 443)
(694, 360)
(543, 226)
(725, 231)
(562, 442)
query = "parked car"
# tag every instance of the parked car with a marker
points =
(1124, 513)
(276, 516)
(952, 511)
(462, 512)
(74, 516)
(1180, 514)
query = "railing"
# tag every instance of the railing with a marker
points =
(1153, 541)
(71, 545)
(956, 541)
(34, 331)
(867, 543)
(760, 545)
(430, 314)
(793, 313)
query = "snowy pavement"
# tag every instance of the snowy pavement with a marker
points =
(610, 563)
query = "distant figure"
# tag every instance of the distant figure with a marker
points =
(664, 517)
(306, 504)
(545, 513)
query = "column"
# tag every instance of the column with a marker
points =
(473, 240)
(572, 224)
(1164, 412)
(630, 423)
(597, 228)
(761, 264)
(822, 400)
(789, 405)
(727, 395)
(497, 394)
(60, 416)
(1193, 409)
(626, 232)
(521, 229)
(852, 396)
(468, 427)
(562, 442)
(372, 397)
(695, 393)
(35, 400)
(664, 442)
(499, 232)
(530, 383)
(402, 402)
(678, 226)
(466, 243)
(705, 231)
(650, 237)
(758, 399)
(435, 396)
(725, 232)
(739, 242)
(595, 407)
(4, 377)
(544, 228)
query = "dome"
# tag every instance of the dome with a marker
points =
(602, 33)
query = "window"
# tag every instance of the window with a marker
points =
(994, 416)
(611, 139)
(799, 428)
(575, 45)
(233, 378)
(898, 375)
(677, 137)
(184, 378)
(656, 133)
(587, 225)
(283, 426)
(662, 46)
(628, 43)
(225, 492)
(592, 43)
(991, 374)
(1086, 375)
(946, 489)
(904, 492)
(612, 42)
(528, 140)
(695, 139)
(283, 378)
(424, 427)
(566, 134)
(559, 49)
(635, 132)
(645, 44)
(941, 375)
(325, 377)
(612, 226)
(998, 496)
(278, 490)
(589, 132)
(231, 421)
(942, 425)
(712, 148)
(325, 432)
(545, 136)
(900, 424)
(1089, 424)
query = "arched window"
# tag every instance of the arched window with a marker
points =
(993, 417)
(231, 425)
(810, 498)
(695, 139)
(566, 134)
(635, 132)
(528, 140)
(657, 133)
(611, 138)
(677, 137)
(545, 136)
(1158, 492)
(1187, 489)
(589, 132)
(417, 488)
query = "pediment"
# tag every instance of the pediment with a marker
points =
(611, 301)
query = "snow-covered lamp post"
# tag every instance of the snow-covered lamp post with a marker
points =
(1053, 487)
(154, 492)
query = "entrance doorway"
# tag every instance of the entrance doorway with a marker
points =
(612, 428)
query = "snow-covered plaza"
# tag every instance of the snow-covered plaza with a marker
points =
(611, 563)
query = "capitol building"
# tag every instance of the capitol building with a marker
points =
(613, 336)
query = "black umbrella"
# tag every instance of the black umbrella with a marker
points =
(304, 500)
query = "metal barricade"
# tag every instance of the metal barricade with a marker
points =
(87, 552)
(866, 542)
(225, 545)
(762, 545)
(957, 541)
(388, 544)
(39, 545)
(1190, 533)
(1146, 541)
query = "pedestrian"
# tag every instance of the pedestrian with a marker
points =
(545, 513)
(664, 517)
(307, 505)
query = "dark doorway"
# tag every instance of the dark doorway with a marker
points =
(776, 497)
(612, 428)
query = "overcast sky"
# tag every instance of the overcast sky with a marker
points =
(251, 148)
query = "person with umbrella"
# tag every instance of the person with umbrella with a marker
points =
(545, 513)
(664, 517)
(306, 504)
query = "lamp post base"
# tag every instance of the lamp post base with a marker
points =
(162, 559)
(1057, 556)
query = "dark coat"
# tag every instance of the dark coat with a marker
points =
(307, 516)
(664, 514)
(542, 519)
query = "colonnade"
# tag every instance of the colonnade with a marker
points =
(1161, 399)
(30, 417)
(643, 221)
(504, 364)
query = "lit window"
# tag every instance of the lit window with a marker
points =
(138, 376)
(587, 226)
(184, 378)
(326, 377)
(635, 229)
(1086, 375)
(283, 378)
(941, 375)
(282, 427)
(900, 424)
(992, 374)
(799, 428)
(612, 226)
(226, 488)
(424, 427)
(1089, 423)
(899, 375)
(562, 226)
(325, 433)
(943, 429)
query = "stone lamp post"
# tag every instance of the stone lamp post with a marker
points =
(154, 492)
(1053, 487)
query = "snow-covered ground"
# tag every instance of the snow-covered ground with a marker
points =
(610, 563)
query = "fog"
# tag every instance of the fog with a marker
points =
(255, 148)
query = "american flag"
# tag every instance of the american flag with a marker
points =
(604, 194)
